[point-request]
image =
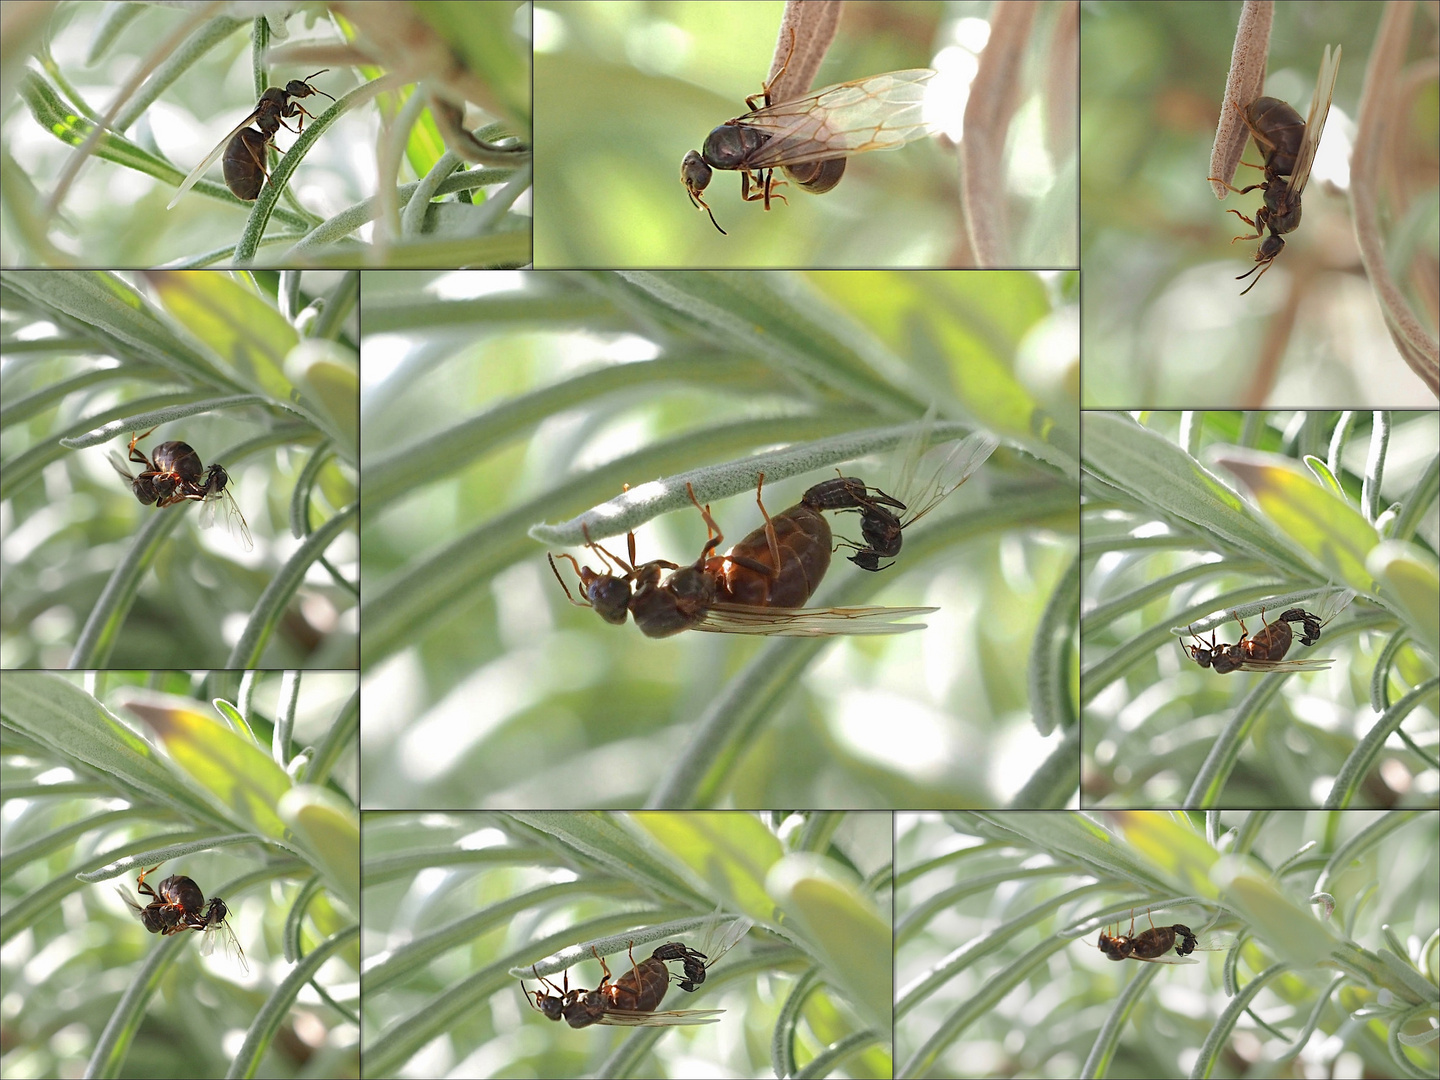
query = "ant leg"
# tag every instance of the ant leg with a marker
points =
(604, 967)
(609, 557)
(558, 578)
(765, 186)
(765, 93)
(770, 185)
(1259, 232)
(140, 886)
(138, 456)
(1244, 190)
(770, 536)
(1132, 923)
(259, 158)
(711, 542)
(1152, 921)
(629, 536)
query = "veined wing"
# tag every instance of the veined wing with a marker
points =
(222, 930)
(734, 933)
(956, 465)
(1163, 959)
(234, 519)
(809, 622)
(878, 113)
(1315, 121)
(1334, 603)
(672, 1018)
(121, 466)
(1288, 665)
(131, 904)
(199, 170)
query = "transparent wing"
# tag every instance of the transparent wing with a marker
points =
(809, 622)
(235, 522)
(1287, 665)
(954, 466)
(221, 930)
(232, 947)
(135, 908)
(121, 466)
(902, 478)
(733, 935)
(199, 170)
(1163, 959)
(1334, 603)
(878, 113)
(1315, 121)
(673, 1018)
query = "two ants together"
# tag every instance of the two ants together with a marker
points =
(632, 999)
(1266, 647)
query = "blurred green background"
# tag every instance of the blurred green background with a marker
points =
(623, 91)
(998, 974)
(1165, 325)
(82, 977)
(458, 904)
(1155, 721)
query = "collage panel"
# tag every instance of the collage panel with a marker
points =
(554, 944)
(1261, 609)
(538, 444)
(769, 134)
(1154, 944)
(1202, 126)
(216, 811)
(180, 469)
(318, 135)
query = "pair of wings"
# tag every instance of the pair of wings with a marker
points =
(809, 622)
(881, 112)
(946, 469)
(208, 933)
(716, 944)
(234, 520)
(1315, 119)
(1318, 664)
(672, 1018)
(1330, 605)
(1177, 959)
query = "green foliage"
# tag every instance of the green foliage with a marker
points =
(90, 802)
(102, 579)
(1171, 545)
(1300, 919)
(470, 906)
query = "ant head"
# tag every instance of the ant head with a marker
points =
(607, 594)
(869, 560)
(1202, 652)
(550, 999)
(695, 175)
(302, 87)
